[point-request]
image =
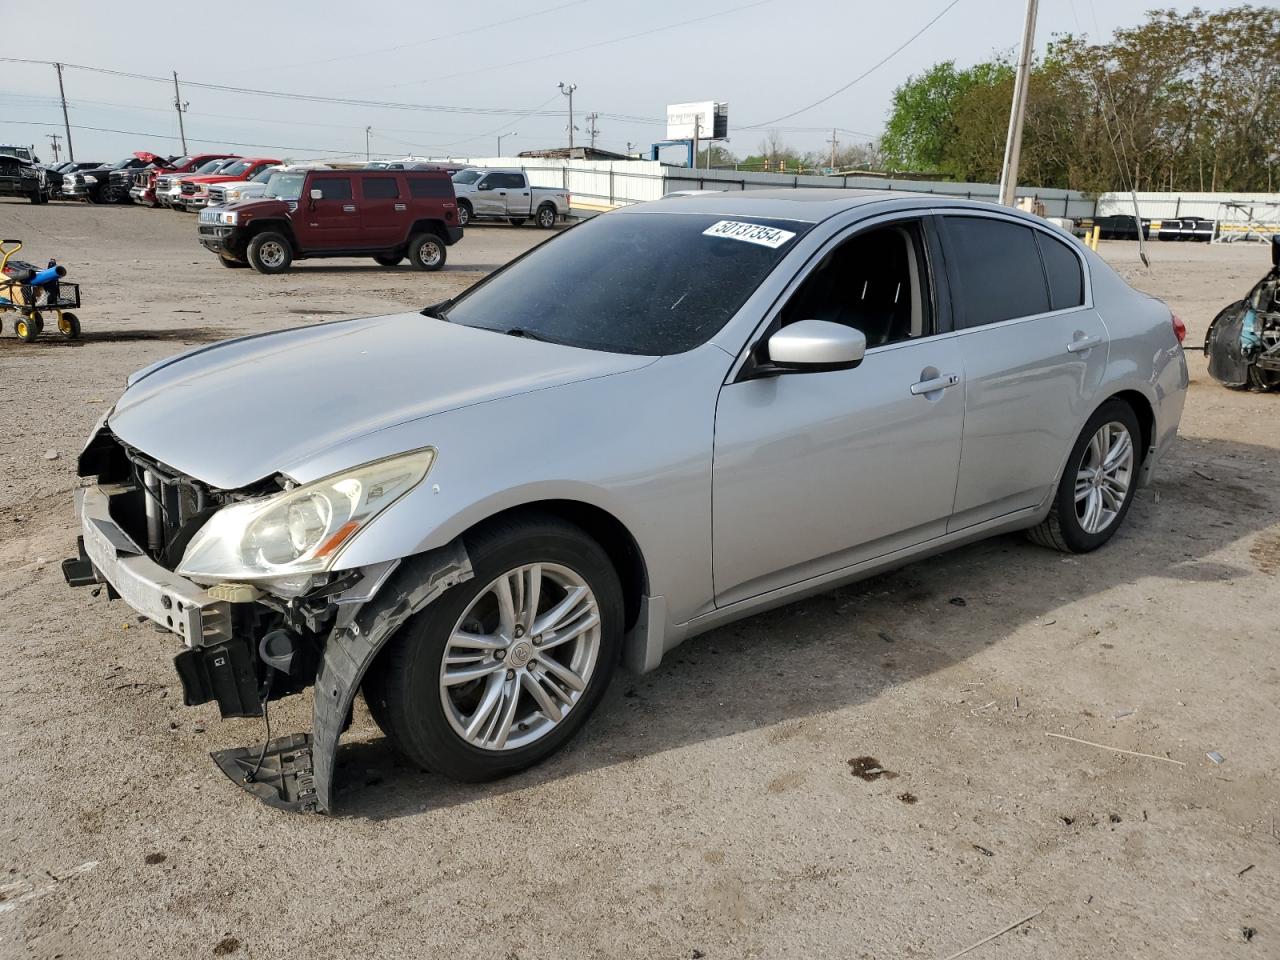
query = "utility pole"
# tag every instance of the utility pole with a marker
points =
(53, 140)
(500, 136)
(834, 143)
(567, 89)
(1013, 142)
(591, 128)
(697, 132)
(367, 131)
(66, 124)
(181, 107)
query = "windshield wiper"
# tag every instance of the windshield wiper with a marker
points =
(436, 310)
(528, 335)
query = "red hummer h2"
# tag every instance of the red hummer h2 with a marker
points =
(144, 182)
(385, 214)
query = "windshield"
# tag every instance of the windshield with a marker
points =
(235, 169)
(210, 166)
(285, 186)
(181, 162)
(262, 176)
(641, 283)
(467, 176)
(121, 164)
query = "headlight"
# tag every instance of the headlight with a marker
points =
(233, 194)
(229, 217)
(90, 179)
(300, 531)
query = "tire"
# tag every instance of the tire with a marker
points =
(231, 262)
(1263, 380)
(547, 216)
(465, 213)
(392, 260)
(28, 326)
(427, 252)
(34, 196)
(269, 252)
(517, 221)
(424, 718)
(69, 325)
(1065, 528)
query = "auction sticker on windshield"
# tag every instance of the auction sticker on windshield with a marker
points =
(770, 237)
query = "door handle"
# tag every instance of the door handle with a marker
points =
(348, 208)
(934, 385)
(502, 193)
(1083, 344)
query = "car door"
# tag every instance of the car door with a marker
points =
(1034, 352)
(332, 220)
(816, 471)
(518, 190)
(384, 213)
(488, 201)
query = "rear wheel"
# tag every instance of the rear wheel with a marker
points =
(1098, 484)
(427, 252)
(69, 325)
(502, 670)
(390, 260)
(464, 213)
(546, 216)
(270, 252)
(29, 326)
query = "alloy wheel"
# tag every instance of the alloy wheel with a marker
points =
(1103, 477)
(271, 254)
(520, 657)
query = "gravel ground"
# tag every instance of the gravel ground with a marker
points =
(711, 808)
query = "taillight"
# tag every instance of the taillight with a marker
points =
(1179, 328)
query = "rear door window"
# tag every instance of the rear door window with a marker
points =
(380, 188)
(1062, 268)
(997, 274)
(430, 187)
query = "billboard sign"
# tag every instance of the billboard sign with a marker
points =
(705, 120)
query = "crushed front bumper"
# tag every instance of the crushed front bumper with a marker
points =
(109, 556)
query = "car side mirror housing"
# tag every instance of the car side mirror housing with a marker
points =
(815, 345)
(317, 194)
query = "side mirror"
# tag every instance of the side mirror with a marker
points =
(483, 185)
(317, 194)
(1275, 250)
(814, 345)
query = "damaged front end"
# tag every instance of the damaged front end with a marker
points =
(1243, 341)
(146, 536)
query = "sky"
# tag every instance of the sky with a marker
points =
(471, 71)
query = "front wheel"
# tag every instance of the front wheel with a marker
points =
(464, 213)
(427, 252)
(69, 325)
(504, 669)
(270, 253)
(231, 263)
(517, 221)
(546, 216)
(29, 326)
(1098, 484)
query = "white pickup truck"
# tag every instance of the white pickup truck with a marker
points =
(507, 195)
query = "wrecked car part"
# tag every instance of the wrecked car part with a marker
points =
(1242, 343)
(298, 771)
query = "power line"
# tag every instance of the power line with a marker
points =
(420, 43)
(862, 76)
(169, 136)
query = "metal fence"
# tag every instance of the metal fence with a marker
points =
(598, 185)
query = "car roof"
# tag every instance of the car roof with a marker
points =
(805, 204)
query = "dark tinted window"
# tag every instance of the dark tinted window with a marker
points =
(998, 272)
(380, 188)
(515, 180)
(643, 283)
(332, 188)
(875, 282)
(428, 187)
(1062, 267)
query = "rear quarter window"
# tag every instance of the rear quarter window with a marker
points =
(997, 270)
(1062, 269)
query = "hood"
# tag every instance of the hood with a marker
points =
(149, 157)
(235, 412)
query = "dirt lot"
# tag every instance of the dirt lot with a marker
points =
(711, 808)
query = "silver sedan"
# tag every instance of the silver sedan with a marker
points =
(659, 421)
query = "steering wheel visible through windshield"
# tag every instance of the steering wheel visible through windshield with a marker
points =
(639, 283)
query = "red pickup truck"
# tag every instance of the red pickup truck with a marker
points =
(384, 214)
(144, 181)
(195, 190)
